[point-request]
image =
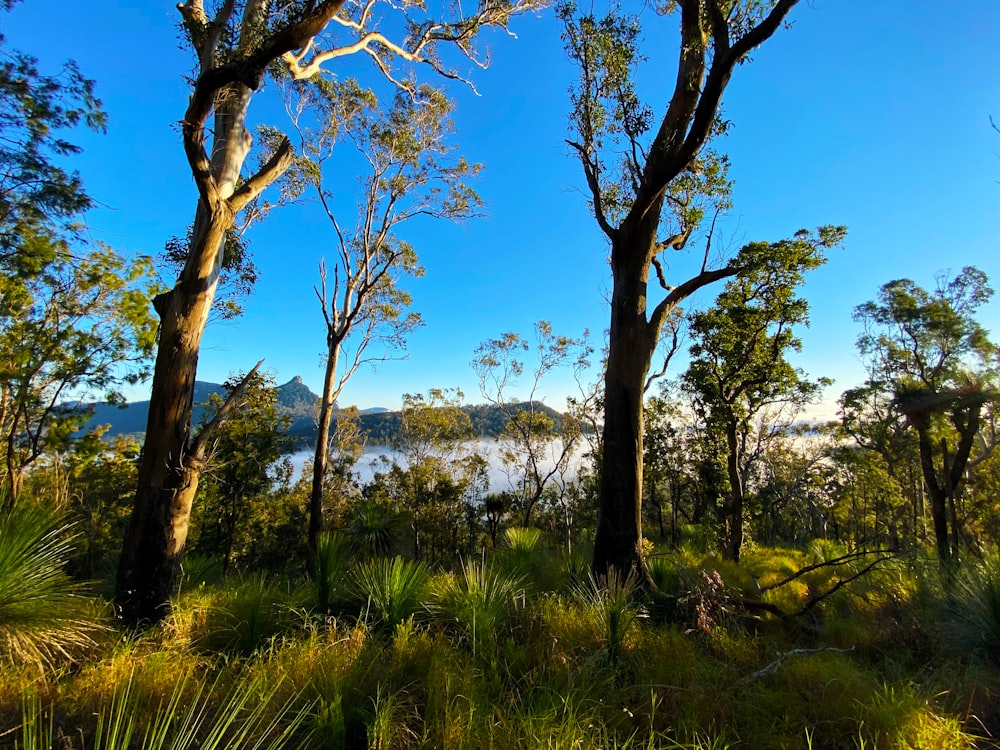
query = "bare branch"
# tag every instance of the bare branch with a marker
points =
(781, 658)
(592, 173)
(200, 443)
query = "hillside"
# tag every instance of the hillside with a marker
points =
(296, 400)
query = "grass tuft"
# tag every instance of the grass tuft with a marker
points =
(391, 590)
(44, 615)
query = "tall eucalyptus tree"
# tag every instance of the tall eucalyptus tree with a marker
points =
(651, 182)
(235, 46)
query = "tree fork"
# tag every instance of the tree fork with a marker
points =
(706, 59)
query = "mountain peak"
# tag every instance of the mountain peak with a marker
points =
(297, 380)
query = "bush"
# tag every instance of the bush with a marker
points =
(476, 602)
(44, 615)
(391, 590)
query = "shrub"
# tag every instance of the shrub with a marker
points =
(44, 615)
(476, 602)
(391, 590)
(974, 607)
(329, 566)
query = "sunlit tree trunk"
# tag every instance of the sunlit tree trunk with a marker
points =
(321, 456)
(714, 38)
(172, 460)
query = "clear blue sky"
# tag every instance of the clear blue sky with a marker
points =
(868, 113)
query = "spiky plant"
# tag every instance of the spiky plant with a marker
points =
(520, 552)
(244, 617)
(477, 601)
(521, 541)
(44, 615)
(391, 590)
(974, 606)
(612, 604)
(329, 566)
(373, 529)
(244, 718)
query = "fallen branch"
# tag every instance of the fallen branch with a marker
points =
(781, 658)
(835, 562)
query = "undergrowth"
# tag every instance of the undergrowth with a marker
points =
(392, 655)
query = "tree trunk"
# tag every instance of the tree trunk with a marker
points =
(938, 494)
(169, 470)
(966, 420)
(617, 545)
(322, 454)
(734, 516)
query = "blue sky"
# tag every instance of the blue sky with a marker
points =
(868, 113)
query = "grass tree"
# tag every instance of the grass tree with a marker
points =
(44, 615)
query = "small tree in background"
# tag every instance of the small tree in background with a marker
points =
(933, 365)
(413, 173)
(738, 355)
(534, 450)
(241, 465)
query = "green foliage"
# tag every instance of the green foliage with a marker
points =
(71, 320)
(244, 617)
(553, 682)
(931, 368)
(238, 276)
(76, 325)
(738, 355)
(974, 606)
(613, 604)
(44, 616)
(927, 337)
(329, 567)
(477, 602)
(39, 199)
(615, 129)
(741, 342)
(239, 478)
(390, 591)
(535, 456)
(373, 528)
(243, 718)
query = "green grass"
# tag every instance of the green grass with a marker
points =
(473, 659)
(390, 590)
(476, 603)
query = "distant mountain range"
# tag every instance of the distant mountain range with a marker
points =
(298, 402)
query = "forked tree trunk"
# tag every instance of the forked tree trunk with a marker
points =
(707, 57)
(172, 460)
(168, 470)
(948, 484)
(632, 340)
